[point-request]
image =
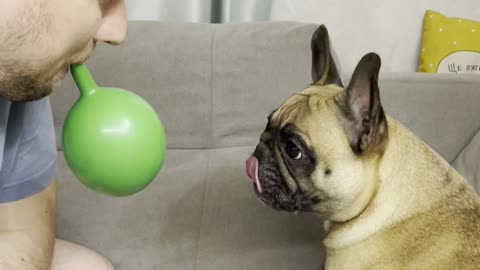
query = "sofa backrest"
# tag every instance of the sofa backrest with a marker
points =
(214, 85)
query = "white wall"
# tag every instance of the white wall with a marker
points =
(391, 28)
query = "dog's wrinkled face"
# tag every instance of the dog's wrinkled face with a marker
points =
(286, 160)
(320, 148)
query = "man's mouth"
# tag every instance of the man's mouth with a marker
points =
(85, 54)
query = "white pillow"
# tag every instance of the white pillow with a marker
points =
(393, 29)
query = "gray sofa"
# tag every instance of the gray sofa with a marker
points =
(213, 86)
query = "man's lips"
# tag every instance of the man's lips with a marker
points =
(252, 172)
(84, 54)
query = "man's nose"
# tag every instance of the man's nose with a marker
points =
(113, 27)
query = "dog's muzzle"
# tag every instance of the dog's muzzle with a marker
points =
(269, 185)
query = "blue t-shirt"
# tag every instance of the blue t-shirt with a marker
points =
(27, 148)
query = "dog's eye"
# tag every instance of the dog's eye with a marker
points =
(293, 151)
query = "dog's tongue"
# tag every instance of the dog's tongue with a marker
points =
(252, 172)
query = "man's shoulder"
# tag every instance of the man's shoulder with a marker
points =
(4, 115)
(29, 149)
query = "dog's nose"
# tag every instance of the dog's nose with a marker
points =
(262, 151)
(266, 137)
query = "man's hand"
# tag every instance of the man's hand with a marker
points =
(27, 232)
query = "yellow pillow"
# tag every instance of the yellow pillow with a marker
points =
(449, 44)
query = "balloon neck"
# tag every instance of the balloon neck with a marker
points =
(83, 79)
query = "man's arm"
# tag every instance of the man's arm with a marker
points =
(27, 231)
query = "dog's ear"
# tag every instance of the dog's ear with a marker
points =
(324, 70)
(364, 120)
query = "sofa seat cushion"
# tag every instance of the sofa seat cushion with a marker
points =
(200, 213)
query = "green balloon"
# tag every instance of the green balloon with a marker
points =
(113, 140)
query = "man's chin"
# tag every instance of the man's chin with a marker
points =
(25, 86)
(58, 78)
(25, 89)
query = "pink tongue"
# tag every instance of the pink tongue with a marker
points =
(252, 172)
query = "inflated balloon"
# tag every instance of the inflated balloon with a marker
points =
(113, 140)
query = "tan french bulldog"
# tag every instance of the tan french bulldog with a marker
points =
(388, 200)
